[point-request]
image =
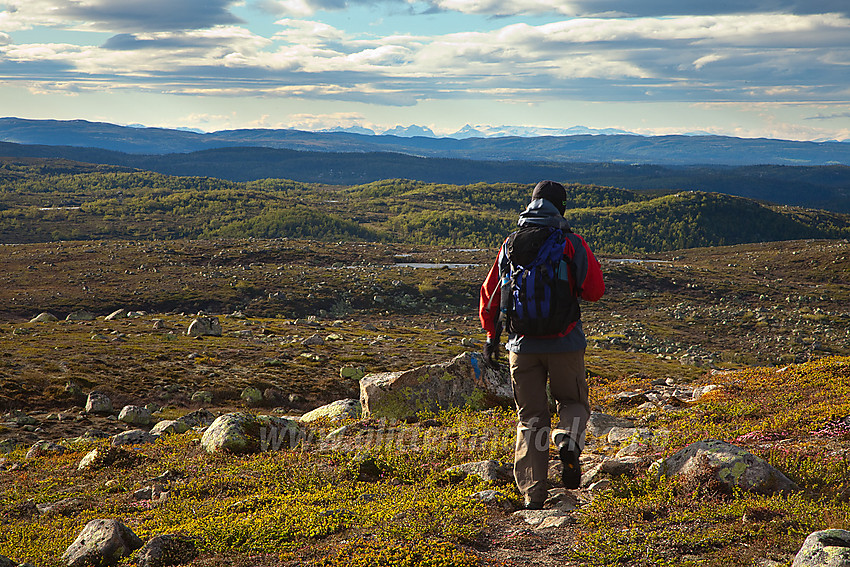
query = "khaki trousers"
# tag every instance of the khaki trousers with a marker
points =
(568, 385)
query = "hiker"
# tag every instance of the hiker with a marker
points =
(545, 337)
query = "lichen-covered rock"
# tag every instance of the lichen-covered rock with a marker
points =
(169, 427)
(204, 327)
(827, 548)
(40, 448)
(132, 437)
(251, 396)
(730, 465)
(464, 381)
(164, 550)
(6, 562)
(351, 373)
(246, 433)
(340, 409)
(135, 415)
(102, 542)
(98, 402)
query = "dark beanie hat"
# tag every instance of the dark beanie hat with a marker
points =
(553, 192)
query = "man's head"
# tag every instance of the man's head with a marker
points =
(553, 192)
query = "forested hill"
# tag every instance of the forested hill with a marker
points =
(46, 201)
(823, 187)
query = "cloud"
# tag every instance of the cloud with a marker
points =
(118, 16)
(829, 116)
(575, 8)
(711, 58)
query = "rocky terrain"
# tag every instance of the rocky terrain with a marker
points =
(745, 345)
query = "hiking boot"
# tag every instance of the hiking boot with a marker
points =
(571, 474)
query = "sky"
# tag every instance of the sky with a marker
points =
(748, 68)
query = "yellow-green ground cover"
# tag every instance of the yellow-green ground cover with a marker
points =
(306, 504)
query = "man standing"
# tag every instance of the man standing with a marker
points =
(538, 353)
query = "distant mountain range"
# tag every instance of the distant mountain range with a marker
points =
(471, 143)
(481, 131)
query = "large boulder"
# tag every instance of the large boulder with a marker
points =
(464, 381)
(727, 464)
(6, 562)
(169, 427)
(340, 409)
(44, 318)
(204, 327)
(102, 542)
(246, 433)
(198, 418)
(827, 548)
(81, 315)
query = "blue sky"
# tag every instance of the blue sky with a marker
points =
(751, 68)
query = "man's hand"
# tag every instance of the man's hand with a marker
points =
(491, 353)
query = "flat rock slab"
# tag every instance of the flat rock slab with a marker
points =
(827, 548)
(490, 471)
(463, 381)
(731, 465)
(102, 542)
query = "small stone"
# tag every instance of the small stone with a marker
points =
(169, 427)
(80, 315)
(315, 340)
(204, 326)
(490, 470)
(203, 397)
(117, 314)
(251, 396)
(166, 550)
(41, 448)
(98, 402)
(351, 373)
(135, 415)
(44, 318)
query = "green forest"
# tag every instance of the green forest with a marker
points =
(59, 200)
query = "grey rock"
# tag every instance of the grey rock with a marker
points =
(65, 507)
(464, 381)
(203, 397)
(80, 315)
(41, 448)
(169, 427)
(351, 373)
(334, 411)
(98, 402)
(827, 548)
(315, 340)
(132, 437)
(600, 424)
(732, 466)
(102, 542)
(491, 471)
(621, 466)
(204, 327)
(6, 562)
(165, 550)
(117, 314)
(44, 318)
(246, 433)
(198, 418)
(135, 415)
(619, 435)
(496, 499)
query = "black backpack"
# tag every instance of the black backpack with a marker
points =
(537, 296)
